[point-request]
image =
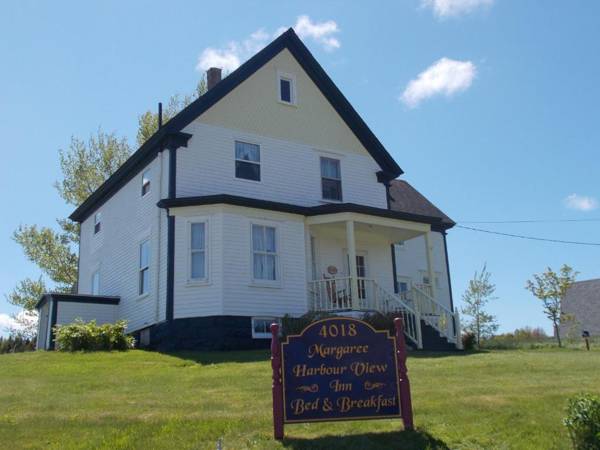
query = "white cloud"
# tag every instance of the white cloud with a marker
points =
(6, 322)
(444, 77)
(232, 55)
(454, 8)
(321, 32)
(581, 202)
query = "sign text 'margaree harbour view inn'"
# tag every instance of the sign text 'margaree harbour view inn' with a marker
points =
(339, 369)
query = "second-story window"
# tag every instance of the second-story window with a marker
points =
(145, 182)
(331, 179)
(97, 223)
(144, 268)
(247, 161)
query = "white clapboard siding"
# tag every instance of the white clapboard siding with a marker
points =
(290, 171)
(331, 250)
(128, 219)
(68, 312)
(411, 261)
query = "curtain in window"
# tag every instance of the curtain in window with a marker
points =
(264, 252)
(198, 249)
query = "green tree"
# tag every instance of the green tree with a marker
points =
(550, 287)
(148, 122)
(85, 166)
(478, 294)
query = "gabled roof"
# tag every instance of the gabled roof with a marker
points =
(406, 199)
(292, 42)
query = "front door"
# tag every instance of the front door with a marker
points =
(361, 273)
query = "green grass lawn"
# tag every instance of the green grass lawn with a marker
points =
(501, 399)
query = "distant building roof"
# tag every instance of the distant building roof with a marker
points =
(406, 199)
(582, 302)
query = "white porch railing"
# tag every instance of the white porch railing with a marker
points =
(446, 322)
(334, 295)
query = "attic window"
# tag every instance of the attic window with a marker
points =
(145, 182)
(97, 223)
(287, 89)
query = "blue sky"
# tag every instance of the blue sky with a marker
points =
(500, 121)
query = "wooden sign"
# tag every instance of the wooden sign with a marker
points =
(339, 369)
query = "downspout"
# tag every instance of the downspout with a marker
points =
(159, 231)
(158, 220)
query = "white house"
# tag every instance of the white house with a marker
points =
(267, 196)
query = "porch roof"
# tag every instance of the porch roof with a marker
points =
(436, 223)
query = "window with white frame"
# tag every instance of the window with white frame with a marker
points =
(331, 179)
(198, 269)
(97, 222)
(261, 327)
(425, 278)
(145, 182)
(287, 89)
(144, 268)
(264, 253)
(96, 283)
(247, 161)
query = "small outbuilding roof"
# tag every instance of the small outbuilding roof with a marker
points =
(77, 298)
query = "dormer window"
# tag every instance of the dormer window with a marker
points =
(287, 89)
(97, 222)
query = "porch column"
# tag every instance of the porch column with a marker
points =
(429, 253)
(351, 244)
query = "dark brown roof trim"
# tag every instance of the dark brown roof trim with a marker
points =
(435, 222)
(288, 40)
(77, 298)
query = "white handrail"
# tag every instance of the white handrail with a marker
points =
(334, 294)
(436, 315)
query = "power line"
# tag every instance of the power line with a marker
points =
(529, 221)
(533, 238)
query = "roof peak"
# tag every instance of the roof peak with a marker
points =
(288, 39)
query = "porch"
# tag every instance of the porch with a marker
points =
(352, 263)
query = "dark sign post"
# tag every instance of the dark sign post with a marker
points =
(339, 369)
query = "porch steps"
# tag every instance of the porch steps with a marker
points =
(433, 341)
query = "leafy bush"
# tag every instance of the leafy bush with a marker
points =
(16, 344)
(89, 336)
(583, 421)
(526, 337)
(468, 340)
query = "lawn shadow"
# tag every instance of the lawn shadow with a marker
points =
(217, 357)
(405, 440)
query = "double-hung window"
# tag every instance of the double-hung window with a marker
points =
(247, 161)
(145, 182)
(96, 283)
(264, 253)
(97, 222)
(144, 268)
(331, 179)
(198, 270)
